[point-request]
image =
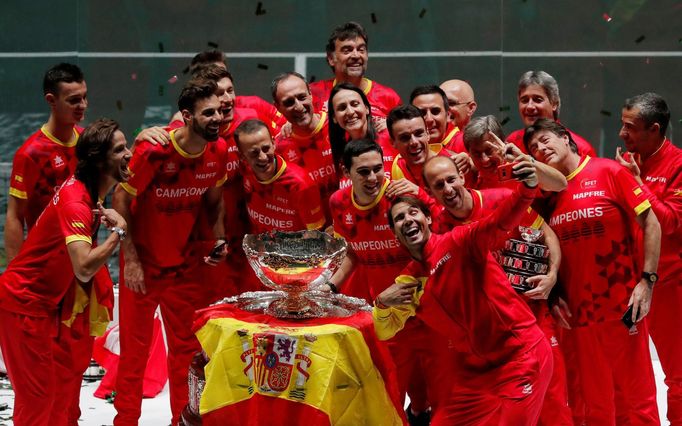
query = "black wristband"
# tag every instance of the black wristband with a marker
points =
(332, 287)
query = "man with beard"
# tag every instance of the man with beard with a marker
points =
(233, 275)
(656, 164)
(169, 185)
(279, 196)
(308, 144)
(347, 55)
(503, 361)
(58, 255)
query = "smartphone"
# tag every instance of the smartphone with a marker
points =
(627, 318)
(217, 250)
(505, 171)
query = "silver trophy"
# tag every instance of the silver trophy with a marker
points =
(524, 258)
(295, 265)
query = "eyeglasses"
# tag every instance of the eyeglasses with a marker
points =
(460, 103)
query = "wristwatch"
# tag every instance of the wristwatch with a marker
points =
(121, 233)
(651, 277)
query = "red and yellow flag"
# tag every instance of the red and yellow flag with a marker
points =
(322, 371)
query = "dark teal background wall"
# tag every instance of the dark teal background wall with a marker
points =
(501, 36)
(129, 49)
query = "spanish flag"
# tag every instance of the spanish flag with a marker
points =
(321, 371)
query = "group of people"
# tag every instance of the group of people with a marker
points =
(425, 193)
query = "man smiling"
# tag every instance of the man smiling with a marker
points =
(503, 361)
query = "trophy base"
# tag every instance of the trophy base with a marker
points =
(294, 308)
(312, 304)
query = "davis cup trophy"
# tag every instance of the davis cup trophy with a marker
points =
(294, 265)
(524, 259)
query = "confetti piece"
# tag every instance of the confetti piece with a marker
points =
(422, 13)
(262, 66)
(647, 61)
(213, 44)
(160, 90)
(186, 70)
(680, 120)
(605, 112)
(311, 79)
(160, 47)
(505, 108)
(133, 76)
(504, 121)
(374, 18)
(173, 79)
(259, 9)
(119, 105)
(585, 86)
(640, 39)
(606, 17)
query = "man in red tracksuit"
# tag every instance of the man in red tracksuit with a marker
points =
(39, 167)
(169, 185)
(464, 206)
(601, 278)
(538, 97)
(279, 196)
(461, 107)
(503, 363)
(58, 255)
(347, 55)
(656, 164)
(308, 144)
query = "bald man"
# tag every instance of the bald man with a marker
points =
(462, 105)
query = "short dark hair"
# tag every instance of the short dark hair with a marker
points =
(207, 57)
(436, 158)
(401, 112)
(212, 72)
(61, 73)
(358, 147)
(551, 126)
(410, 200)
(92, 151)
(478, 127)
(337, 136)
(195, 89)
(275, 82)
(652, 109)
(343, 32)
(430, 90)
(548, 84)
(249, 127)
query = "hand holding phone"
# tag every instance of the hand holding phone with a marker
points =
(217, 251)
(505, 172)
(627, 317)
(217, 254)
